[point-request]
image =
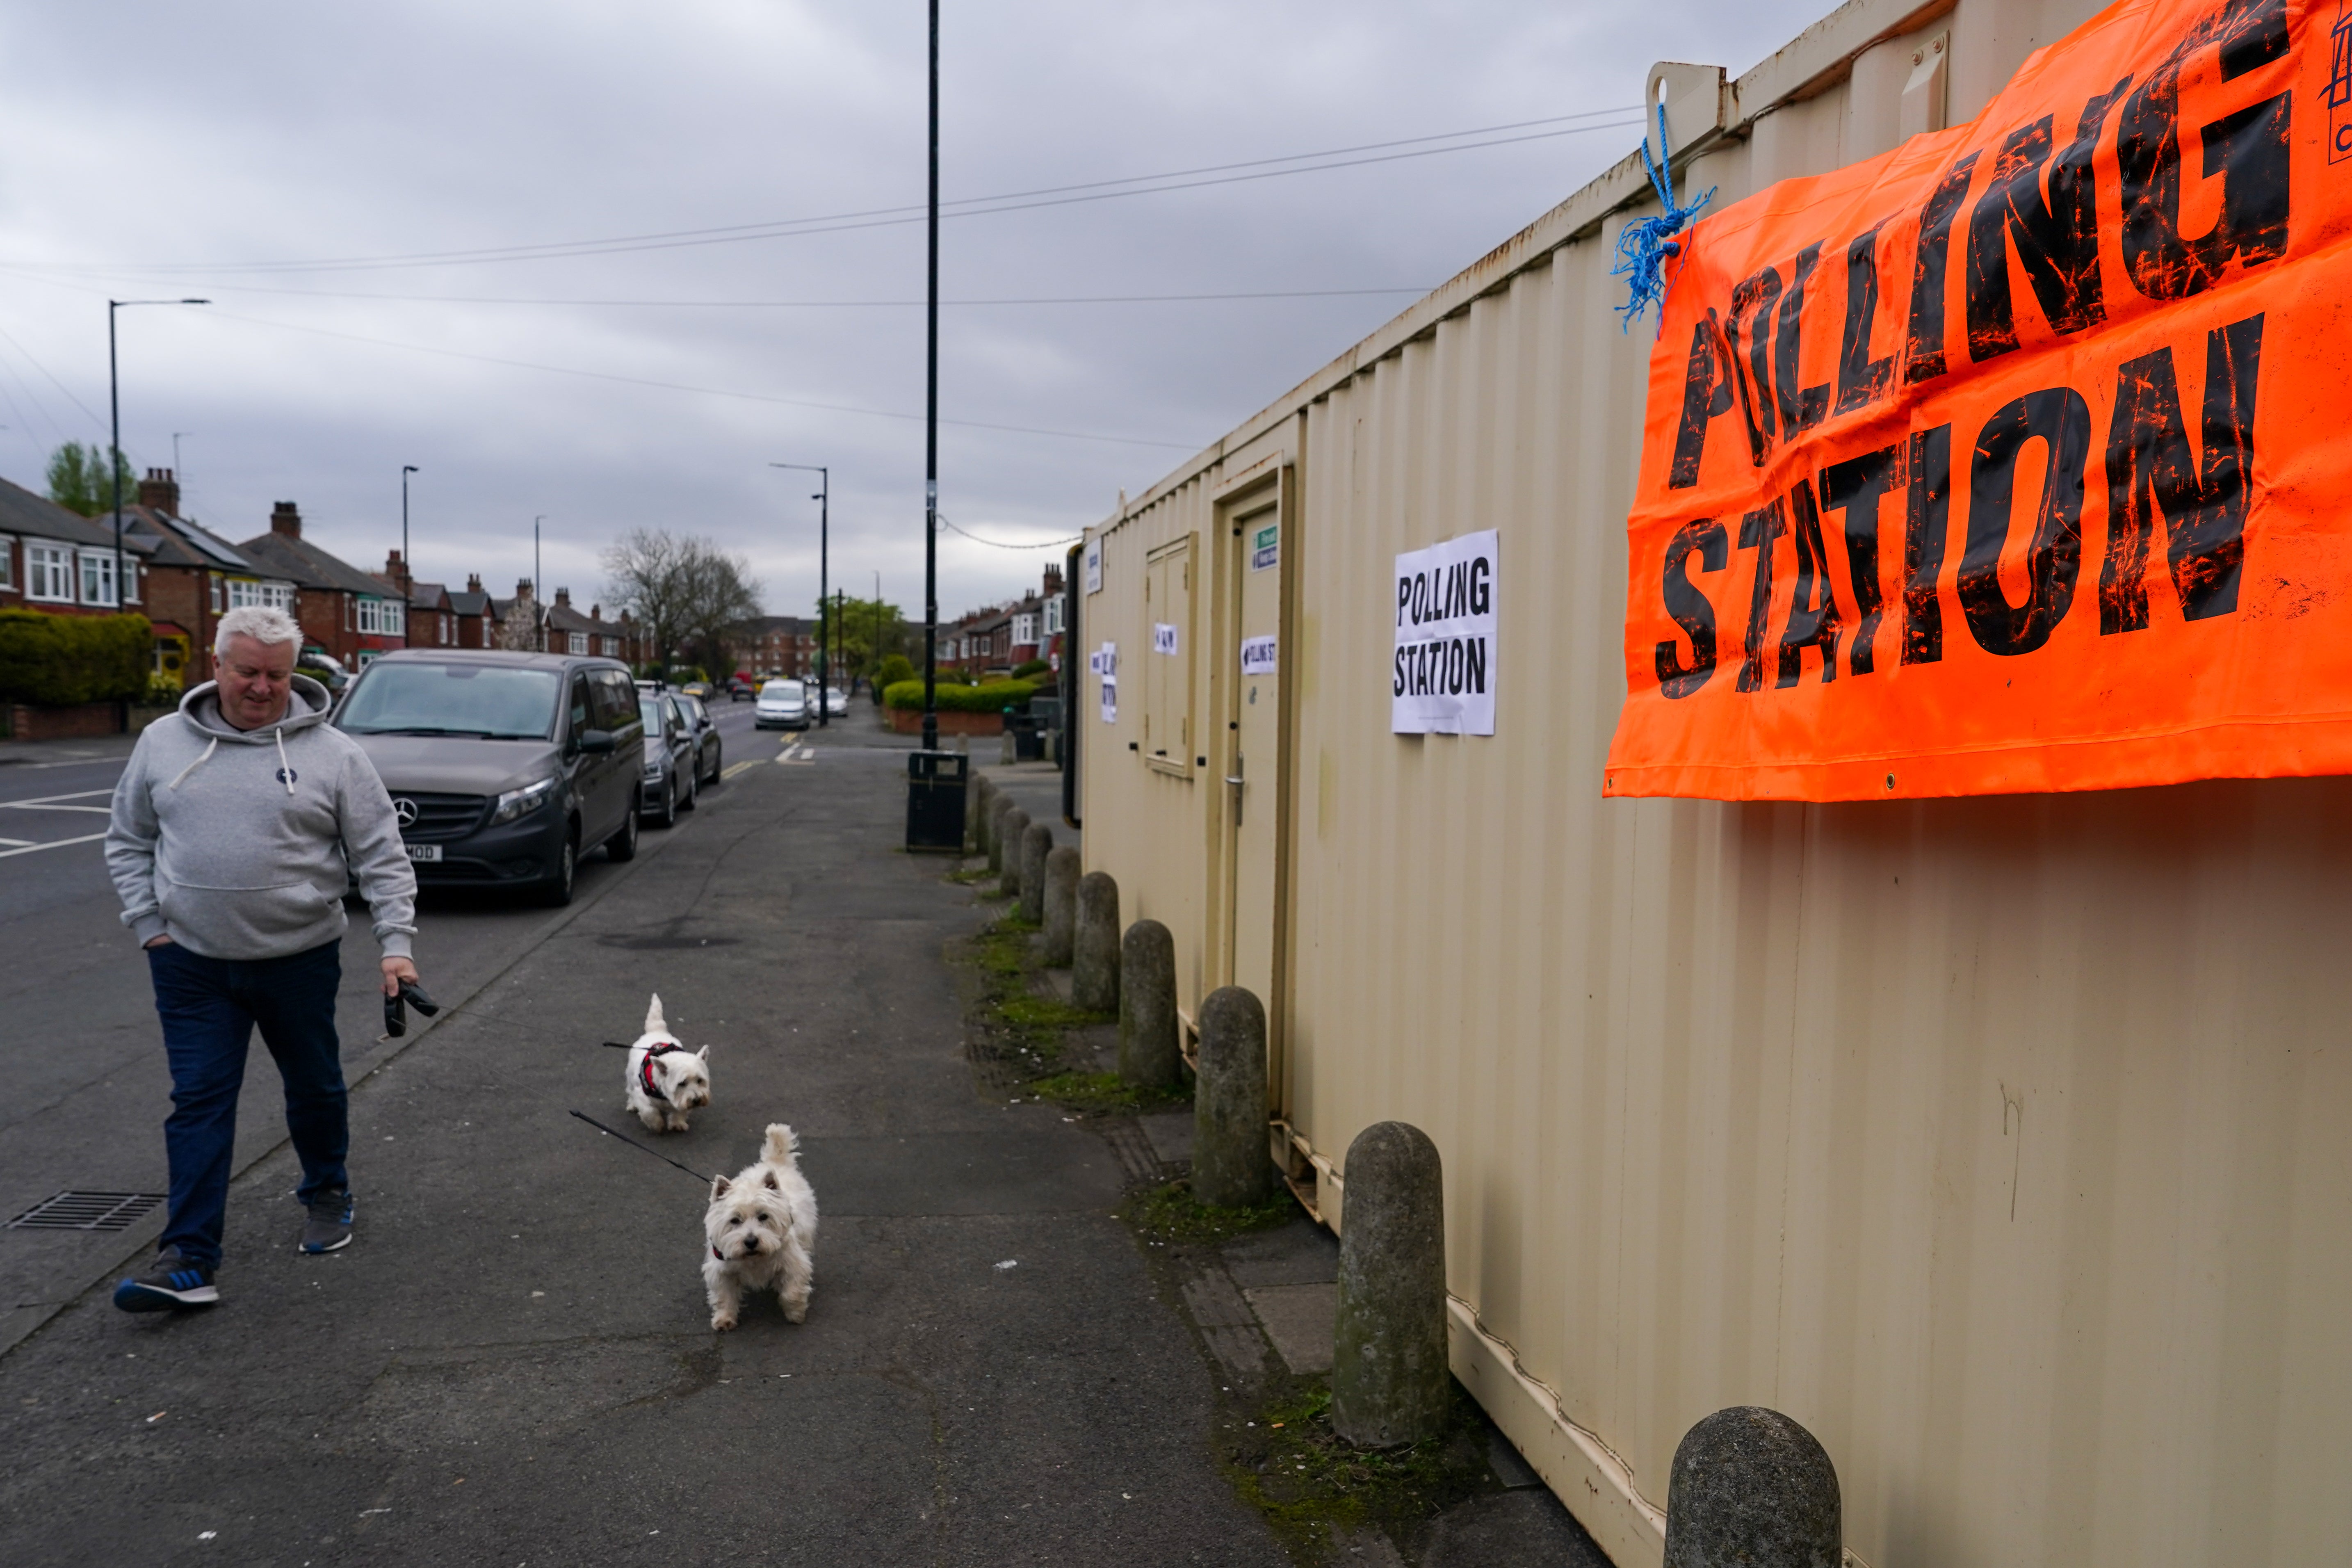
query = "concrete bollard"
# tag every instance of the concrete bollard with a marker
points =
(1150, 1054)
(996, 810)
(1094, 945)
(1750, 1487)
(1389, 1383)
(975, 821)
(1036, 845)
(1231, 1167)
(1010, 828)
(1061, 904)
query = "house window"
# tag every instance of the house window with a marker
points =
(49, 572)
(1025, 629)
(383, 617)
(97, 577)
(217, 594)
(1053, 617)
(578, 643)
(7, 561)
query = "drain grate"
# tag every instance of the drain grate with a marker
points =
(86, 1211)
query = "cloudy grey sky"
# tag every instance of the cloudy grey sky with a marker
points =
(161, 149)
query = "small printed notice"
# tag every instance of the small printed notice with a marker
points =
(1094, 566)
(1266, 546)
(1104, 662)
(1257, 656)
(1442, 681)
(1163, 638)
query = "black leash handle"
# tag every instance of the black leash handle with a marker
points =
(633, 1144)
(395, 1020)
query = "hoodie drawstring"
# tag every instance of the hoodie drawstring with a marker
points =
(202, 757)
(285, 769)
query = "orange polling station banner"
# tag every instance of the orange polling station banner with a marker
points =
(2018, 458)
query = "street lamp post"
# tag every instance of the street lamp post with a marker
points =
(823, 498)
(114, 414)
(538, 588)
(931, 427)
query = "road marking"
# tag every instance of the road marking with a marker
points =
(738, 767)
(50, 800)
(44, 806)
(58, 844)
(19, 841)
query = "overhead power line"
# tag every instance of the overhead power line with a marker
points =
(878, 217)
(705, 391)
(1001, 544)
(813, 304)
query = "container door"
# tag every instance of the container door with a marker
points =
(1252, 779)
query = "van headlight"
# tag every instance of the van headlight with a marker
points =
(522, 802)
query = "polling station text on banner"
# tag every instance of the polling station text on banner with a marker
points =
(2015, 459)
(1442, 681)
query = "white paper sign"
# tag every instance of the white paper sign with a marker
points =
(1104, 662)
(1442, 681)
(1094, 566)
(1163, 638)
(1257, 656)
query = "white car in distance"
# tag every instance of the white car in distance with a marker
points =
(781, 705)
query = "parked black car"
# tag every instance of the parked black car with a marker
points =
(709, 753)
(504, 768)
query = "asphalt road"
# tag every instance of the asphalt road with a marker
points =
(513, 1363)
(83, 1045)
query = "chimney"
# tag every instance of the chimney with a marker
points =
(1052, 582)
(159, 491)
(397, 570)
(564, 598)
(595, 612)
(522, 588)
(284, 519)
(473, 582)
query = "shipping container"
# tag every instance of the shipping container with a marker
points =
(2004, 1142)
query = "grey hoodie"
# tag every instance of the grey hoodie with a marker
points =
(235, 843)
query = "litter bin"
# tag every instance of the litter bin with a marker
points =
(935, 802)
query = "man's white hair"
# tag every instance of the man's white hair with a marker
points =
(263, 624)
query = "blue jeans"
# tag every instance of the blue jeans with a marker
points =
(209, 1007)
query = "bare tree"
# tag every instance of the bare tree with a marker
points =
(685, 591)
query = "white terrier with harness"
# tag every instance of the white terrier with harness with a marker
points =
(664, 1079)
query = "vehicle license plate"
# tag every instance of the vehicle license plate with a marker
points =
(424, 852)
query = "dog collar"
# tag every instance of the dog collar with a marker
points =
(646, 1068)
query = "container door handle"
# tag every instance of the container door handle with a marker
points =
(1236, 779)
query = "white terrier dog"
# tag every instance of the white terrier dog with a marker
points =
(666, 1081)
(762, 1228)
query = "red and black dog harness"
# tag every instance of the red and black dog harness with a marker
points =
(645, 1068)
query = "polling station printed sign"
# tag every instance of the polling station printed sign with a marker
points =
(2015, 459)
(1443, 679)
(1104, 662)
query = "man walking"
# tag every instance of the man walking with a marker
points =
(235, 830)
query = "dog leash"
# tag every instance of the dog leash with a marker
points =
(633, 1144)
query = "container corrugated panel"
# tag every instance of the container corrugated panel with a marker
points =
(2006, 1144)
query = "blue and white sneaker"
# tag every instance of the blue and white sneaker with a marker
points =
(171, 1281)
(329, 1228)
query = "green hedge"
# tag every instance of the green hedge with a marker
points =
(895, 669)
(993, 698)
(1040, 669)
(60, 660)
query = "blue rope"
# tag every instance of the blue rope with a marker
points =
(1645, 244)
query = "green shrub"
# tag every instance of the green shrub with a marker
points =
(1037, 670)
(992, 698)
(60, 660)
(164, 690)
(896, 667)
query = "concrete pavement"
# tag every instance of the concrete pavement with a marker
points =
(513, 1363)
